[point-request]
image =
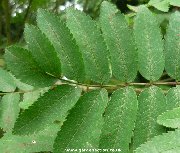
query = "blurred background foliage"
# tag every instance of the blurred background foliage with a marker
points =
(15, 13)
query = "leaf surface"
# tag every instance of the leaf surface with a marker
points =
(47, 109)
(21, 63)
(173, 98)
(6, 81)
(83, 125)
(9, 110)
(172, 47)
(120, 41)
(63, 42)
(120, 116)
(42, 51)
(170, 118)
(162, 5)
(30, 97)
(150, 44)
(152, 103)
(91, 44)
(42, 141)
(166, 143)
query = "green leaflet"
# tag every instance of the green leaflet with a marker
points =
(83, 125)
(91, 44)
(170, 118)
(172, 47)
(47, 109)
(120, 41)
(166, 143)
(9, 110)
(162, 5)
(42, 141)
(30, 97)
(6, 81)
(21, 63)
(63, 42)
(150, 44)
(175, 2)
(173, 98)
(152, 103)
(42, 51)
(120, 116)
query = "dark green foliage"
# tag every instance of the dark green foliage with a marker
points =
(120, 41)
(83, 124)
(120, 116)
(65, 45)
(61, 89)
(149, 43)
(47, 109)
(152, 103)
(91, 44)
(24, 67)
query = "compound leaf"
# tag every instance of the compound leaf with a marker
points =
(7, 83)
(150, 44)
(47, 109)
(42, 50)
(120, 116)
(91, 44)
(170, 118)
(83, 124)
(152, 103)
(166, 143)
(63, 42)
(9, 110)
(21, 63)
(120, 41)
(172, 47)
